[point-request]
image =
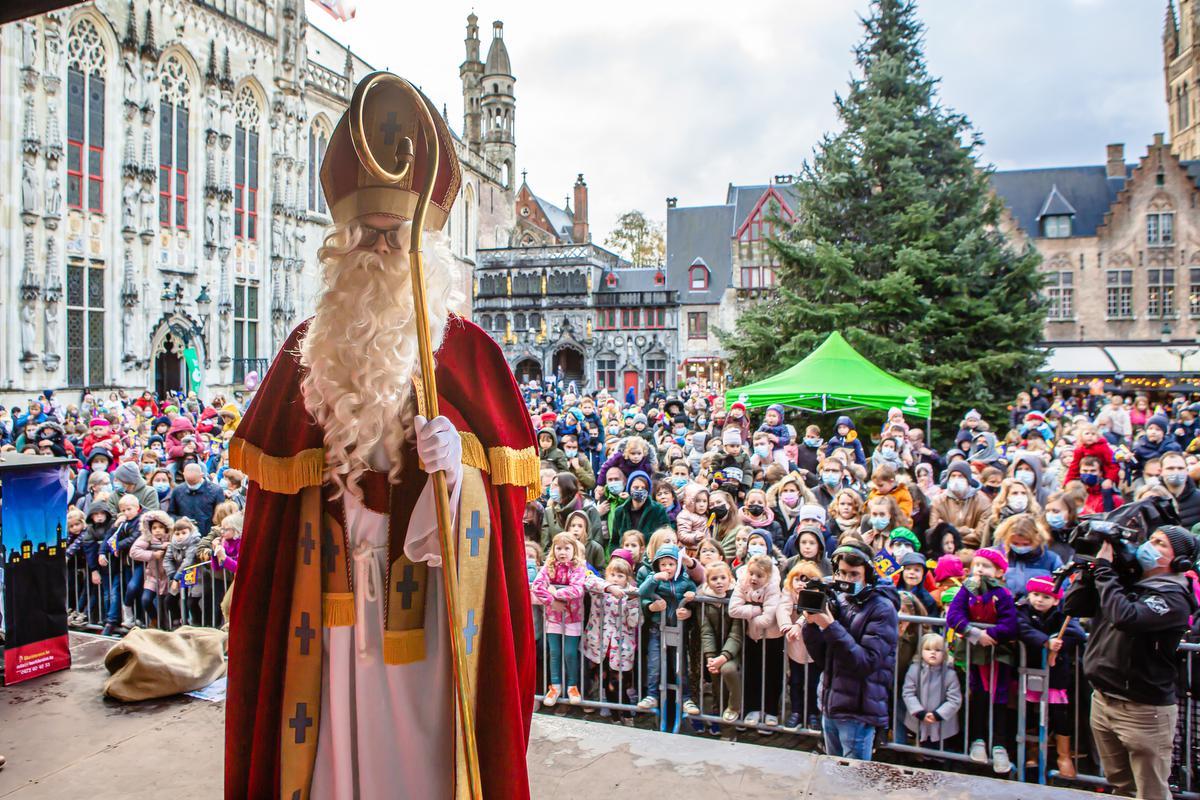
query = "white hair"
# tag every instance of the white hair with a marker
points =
(360, 352)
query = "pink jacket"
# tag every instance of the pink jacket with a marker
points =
(690, 527)
(565, 583)
(144, 550)
(758, 608)
(787, 617)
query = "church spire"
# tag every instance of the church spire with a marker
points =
(130, 42)
(1170, 31)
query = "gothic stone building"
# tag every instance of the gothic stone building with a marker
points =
(162, 206)
(560, 305)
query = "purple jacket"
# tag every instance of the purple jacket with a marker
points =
(994, 607)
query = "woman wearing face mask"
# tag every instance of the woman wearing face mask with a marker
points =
(640, 512)
(1014, 498)
(757, 514)
(785, 498)
(1060, 515)
(162, 483)
(565, 497)
(726, 521)
(1027, 468)
(664, 493)
(1026, 542)
(882, 517)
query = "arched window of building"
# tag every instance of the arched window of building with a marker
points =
(87, 61)
(318, 141)
(175, 91)
(245, 164)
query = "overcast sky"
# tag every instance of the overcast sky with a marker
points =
(651, 99)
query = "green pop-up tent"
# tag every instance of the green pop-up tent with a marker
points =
(834, 377)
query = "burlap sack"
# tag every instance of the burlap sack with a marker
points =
(149, 664)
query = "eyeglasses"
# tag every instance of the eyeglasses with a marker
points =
(393, 236)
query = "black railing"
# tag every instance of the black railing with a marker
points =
(244, 366)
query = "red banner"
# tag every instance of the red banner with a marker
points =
(38, 658)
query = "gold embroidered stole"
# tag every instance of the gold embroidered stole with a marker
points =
(323, 595)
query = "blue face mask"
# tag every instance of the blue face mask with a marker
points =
(570, 453)
(616, 487)
(639, 495)
(879, 523)
(812, 441)
(1148, 556)
(1021, 549)
(756, 550)
(163, 490)
(1089, 480)
(758, 485)
(1056, 521)
(679, 481)
(554, 493)
(831, 479)
(858, 586)
(762, 451)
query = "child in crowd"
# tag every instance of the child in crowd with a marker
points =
(664, 590)
(932, 696)
(721, 638)
(846, 437)
(777, 433)
(1091, 443)
(803, 673)
(578, 525)
(984, 614)
(635, 543)
(549, 451)
(611, 639)
(692, 523)
(947, 579)
(124, 582)
(559, 587)
(180, 557)
(226, 549)
(755, 600)
(150, 549)
(1041, 621)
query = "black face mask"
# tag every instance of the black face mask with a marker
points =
(755, 509)
(991, 491)
(720, 512)
(532, 531)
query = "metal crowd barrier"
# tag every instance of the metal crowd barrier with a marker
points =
(1027, 742)
(90, 605)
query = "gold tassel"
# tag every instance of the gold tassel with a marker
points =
(473, 454)
(337, 609)
(404, 647)
(280, 474)
(516, 467)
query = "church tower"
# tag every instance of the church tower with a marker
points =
(499, 108)
(1181, 74)
(471, 73)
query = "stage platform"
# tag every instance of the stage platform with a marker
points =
(63, 740)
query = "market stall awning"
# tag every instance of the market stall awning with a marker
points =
(1150, 359)
(1083, 360)
(834, 377)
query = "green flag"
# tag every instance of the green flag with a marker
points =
(195, 376)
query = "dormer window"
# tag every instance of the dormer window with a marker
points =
(659, 278)
(698, 277)
(1056, 226)
(610, 280)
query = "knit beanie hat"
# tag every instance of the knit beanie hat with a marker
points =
(1043, 584)
(126, 473)
(1183, 542)
(731, 435)
(634, 476)
(972, 415)
(814, 512)
(1159, 421)
(639, 418)
(914, 560)
(98, 422)
(948, 566)
(624, 553)
(905, 535)
(993, 555)
(777, 408)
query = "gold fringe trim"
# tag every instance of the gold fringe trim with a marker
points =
(337, 609)
(404, 647)
(504, 464)
(279, 474)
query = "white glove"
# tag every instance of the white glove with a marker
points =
(438, 445)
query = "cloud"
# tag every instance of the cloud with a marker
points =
(650, 100)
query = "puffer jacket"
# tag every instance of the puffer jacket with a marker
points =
(690, 527)
(152, 553)
(181, 426)
(857, 652)
(1041, 562)
(612, 631)
(787, 618)
(933, 689)
(758, 608)
(180, 556)
(720, 634)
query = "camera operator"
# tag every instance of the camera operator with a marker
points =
(854, 639)
(1132, 657)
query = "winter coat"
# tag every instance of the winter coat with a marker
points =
(1133, 652)
(767, 524)
(933, 689)
(690, 527)
(1145, 450)
(1036, 629)
(648, 464)
(1103, 451)
(151, 553)
(900, 494)
(651, 589)
(231, 547)
(1041, 562)
(180, 556)
(120, 538)
(648, 519)
(181, 426)
(736, 469)
(612, 631)
(968, 515)
(720, 634)
(787, 618)
(556, 517)
(1188, 503)
(857, 652)
(974, 607)
(196, 504)
(838, 441)
(758, 608)
(561, 582)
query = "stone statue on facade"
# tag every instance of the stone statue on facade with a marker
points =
(147, 210)
(28, 45)
(28, 328)
(210, 224)
(129, 203)
(54, 197)
(29, 193)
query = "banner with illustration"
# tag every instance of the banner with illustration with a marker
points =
(33, 522)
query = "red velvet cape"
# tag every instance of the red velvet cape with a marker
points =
(473, 377)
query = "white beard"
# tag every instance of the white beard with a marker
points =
(361, 353)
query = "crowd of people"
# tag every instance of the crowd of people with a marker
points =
(680, 513)
(154, 520)
(677, 514)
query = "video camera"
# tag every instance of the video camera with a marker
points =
(1124, 528)
(820, 592)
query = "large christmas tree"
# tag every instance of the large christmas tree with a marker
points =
(896, 244)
